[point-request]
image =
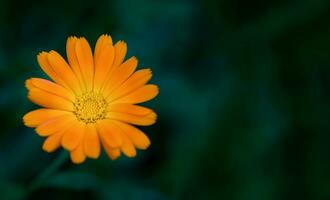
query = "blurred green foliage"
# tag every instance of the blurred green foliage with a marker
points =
(243, 108)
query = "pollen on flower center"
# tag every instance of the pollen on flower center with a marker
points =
(90, 107)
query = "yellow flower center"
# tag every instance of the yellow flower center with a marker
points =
(90, 107)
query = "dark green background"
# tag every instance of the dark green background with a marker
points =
(243, 107)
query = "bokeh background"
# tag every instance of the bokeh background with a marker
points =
(243, 107)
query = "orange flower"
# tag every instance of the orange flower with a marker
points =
(91, 101)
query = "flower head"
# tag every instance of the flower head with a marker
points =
(91, 100)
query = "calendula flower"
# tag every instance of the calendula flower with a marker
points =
(91, 100)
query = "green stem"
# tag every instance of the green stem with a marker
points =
(53, 167)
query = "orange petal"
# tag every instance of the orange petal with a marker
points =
(138, 138)
(91, 142)
(103, 66)
(143, 94)
(120, 52)
(73, 135)
(129, 109)
(72, 58)
(36, 117)
(47, 68)
(28, 84)
(49, 100)
(63, 70)
(53, 142)
(120, 74)
(55, 124)
(104, 40)
(145, 120)
(71, 51)
(78, 155)
(137, 80)
(51, 87)
(109, 132)
(113, 153)
(85, 59)
(127, 147)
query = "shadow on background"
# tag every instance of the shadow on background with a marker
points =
(243, 105)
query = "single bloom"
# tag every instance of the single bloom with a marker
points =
(91, 100)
